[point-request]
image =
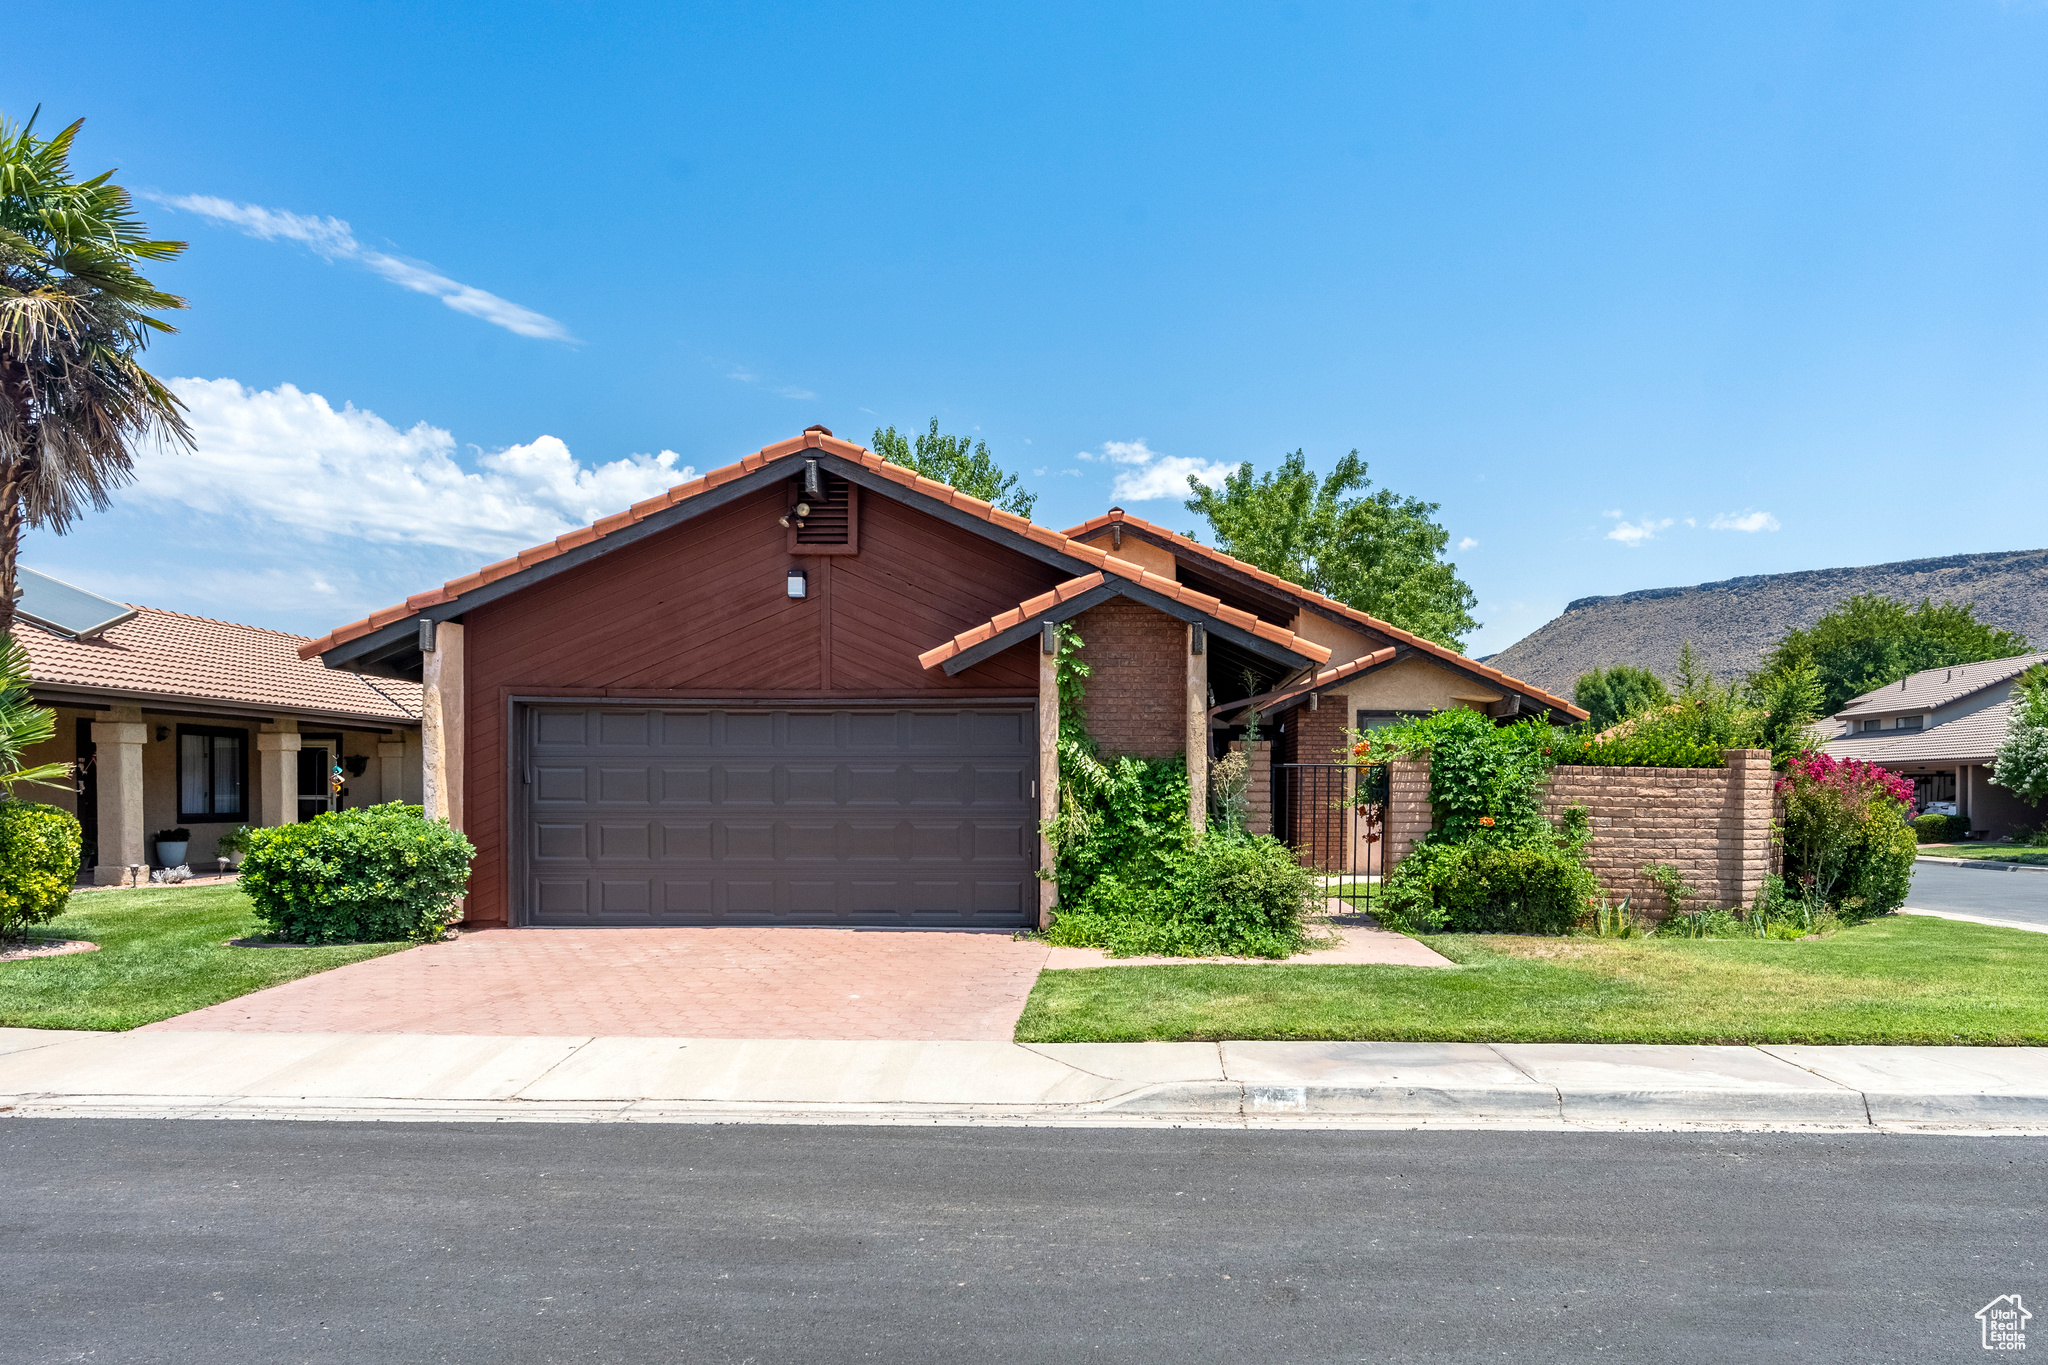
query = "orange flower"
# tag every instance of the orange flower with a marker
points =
(1486, 820)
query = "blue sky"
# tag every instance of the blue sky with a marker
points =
(1592, 277)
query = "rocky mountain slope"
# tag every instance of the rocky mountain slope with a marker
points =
(1734, 621)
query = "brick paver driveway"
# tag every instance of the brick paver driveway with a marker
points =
(696, 983)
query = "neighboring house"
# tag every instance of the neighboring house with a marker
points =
(1942, 728)
(177, 720)
(814, 688)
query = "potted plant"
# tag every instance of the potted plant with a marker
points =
(170, 846)
(234, 845)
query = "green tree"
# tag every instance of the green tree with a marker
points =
(1864, 642)
(1612, 695)
(75, 312)
(1377, 552)
(2021, 766)
(959, 462)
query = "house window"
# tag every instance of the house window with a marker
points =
(213, 773)
(1906, 723)
(1870, 725)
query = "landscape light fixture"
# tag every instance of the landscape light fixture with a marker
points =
(799, 583)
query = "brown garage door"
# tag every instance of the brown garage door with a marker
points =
(850, 815)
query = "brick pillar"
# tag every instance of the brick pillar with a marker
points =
(441, 720)
(277, 774)
(1258, 796)
(1408, 815)
(1751, 781)
(117, 764)
(1048, 775)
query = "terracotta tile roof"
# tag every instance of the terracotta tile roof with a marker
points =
(1124, 569)
(830, 445)
(1281, 697)
(168, 655)
(1295, 590)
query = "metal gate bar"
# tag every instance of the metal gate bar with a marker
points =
(1331, 815)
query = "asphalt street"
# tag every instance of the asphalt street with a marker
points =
(2021, 896)
(131, 1240)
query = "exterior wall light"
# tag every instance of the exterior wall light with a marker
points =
(799, 583)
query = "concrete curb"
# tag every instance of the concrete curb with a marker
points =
(1986, 864)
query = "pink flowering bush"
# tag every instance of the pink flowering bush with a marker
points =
(1847, 845)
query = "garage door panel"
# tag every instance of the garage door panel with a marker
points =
(616, 786)
(750, 785)
(686, 786)
(812, 785)
(560, 784)
(799, 815)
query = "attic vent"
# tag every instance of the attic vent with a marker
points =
(832, 526)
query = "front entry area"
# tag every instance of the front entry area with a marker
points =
(902, 816)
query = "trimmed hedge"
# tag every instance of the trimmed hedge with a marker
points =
(39, 850)
(1487, 888)
(1940, 829)
(357, 876)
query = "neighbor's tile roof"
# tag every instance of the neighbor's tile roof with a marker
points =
(1934, 687)
(1295, 590)
(168, 655)
(1122, 568)
(1967, 739)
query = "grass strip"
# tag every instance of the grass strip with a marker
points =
(161, 953)
(1900, 979)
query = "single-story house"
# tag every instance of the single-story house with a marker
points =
(1942, 727)
(814, 688)
(179, 721)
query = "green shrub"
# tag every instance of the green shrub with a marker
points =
(39, 851)
(357, 876)
(1487, 887)
(1671, 884)
(1846, 846)
(1940, 829)
(1225, 894)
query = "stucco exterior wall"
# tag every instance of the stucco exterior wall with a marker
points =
(1416, 684)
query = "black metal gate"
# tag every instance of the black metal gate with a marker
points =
(1333, 816)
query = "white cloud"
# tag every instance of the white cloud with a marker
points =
(287, 456)
(332, 239)
(1467, 543)
(1635, 533)
(1616, 512)
(1148, 475)
(1744, 521)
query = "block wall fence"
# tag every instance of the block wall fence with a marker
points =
(1713, 824)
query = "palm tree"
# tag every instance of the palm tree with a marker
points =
(23, 724)
(74, 314)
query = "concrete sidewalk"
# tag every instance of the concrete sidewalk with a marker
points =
(587, 1079)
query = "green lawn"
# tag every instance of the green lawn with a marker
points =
(1901, 979)
(2002, 853)
(161, 953)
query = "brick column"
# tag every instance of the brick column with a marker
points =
(390, 772)
(277, 774)
(1753, 801)
(441, 721)
(1048, 775)
(1258, 796)
(1198, 735)
(117, 766)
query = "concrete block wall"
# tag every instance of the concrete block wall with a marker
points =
(1137, 678)
(1714, 824)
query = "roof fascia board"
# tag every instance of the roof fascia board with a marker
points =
(100, 699)
(407, 627)
(1024, 630)
(1244, 582)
